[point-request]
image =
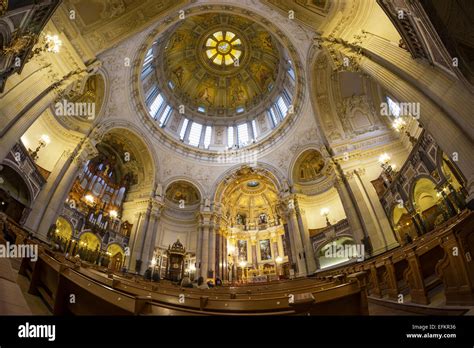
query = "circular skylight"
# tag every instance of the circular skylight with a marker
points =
(253, 183)
(223, 47)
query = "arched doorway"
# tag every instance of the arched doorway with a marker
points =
(116, 254)
(62, 233)
(15, 197)
(428, 203)
(255, 248)
(403, 224)
(89, 247)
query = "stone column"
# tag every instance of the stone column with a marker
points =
(298, 245)
(138, 241)
(199, 250)
(350, 209)
(212, 248)
(308, 248)
(452, 139)
(136, 222)
(368, 216)
(388, 234)
(85, 151)
(253, 252)
(206, 226)
(44, 197)
(19, 110)
(149, 240)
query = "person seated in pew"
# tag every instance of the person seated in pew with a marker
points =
(147, 274)
(186, 282)
(156, 277)
(210, 283)
(218, 282)
(201, 284)
(8, 235)
(408, 239)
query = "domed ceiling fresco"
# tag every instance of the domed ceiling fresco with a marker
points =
(220, 64)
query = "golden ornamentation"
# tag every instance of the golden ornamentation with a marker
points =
(19, 44)
(3, 7)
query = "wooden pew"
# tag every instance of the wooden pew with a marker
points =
(93, 291)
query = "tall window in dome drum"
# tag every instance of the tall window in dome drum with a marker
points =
(195, 134)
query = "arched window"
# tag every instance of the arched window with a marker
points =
(207, 137)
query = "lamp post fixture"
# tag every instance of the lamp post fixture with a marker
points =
(43, 141)
(325, 212)
(384, 160)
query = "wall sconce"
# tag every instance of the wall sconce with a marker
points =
(279, 259)
(43, 141)
(53, 43)
(384, 160)
(243, 263)
(50, 43)
(325, 213)
(89, 199)
(399, 124)
(113, 214)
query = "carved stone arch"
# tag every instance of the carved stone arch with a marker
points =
(6, 30)
(149, 158)
(180, 178)
(30, 190)
(302, 150)
(269, 171)
(93, 91)
(122, 246)
(83, 232)
(413, 185)
(68, 220)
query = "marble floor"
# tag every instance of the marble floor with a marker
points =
(36, 304)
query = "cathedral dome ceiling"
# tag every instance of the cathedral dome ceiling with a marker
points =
(223, 64)
(223, 78)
